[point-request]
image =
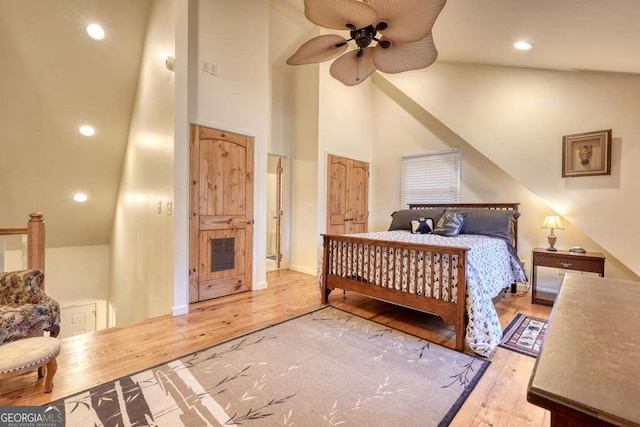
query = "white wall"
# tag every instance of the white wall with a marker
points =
(185, 44)
(402, 127)
(304, 170)
(294, 132)
(73, 274)
(345, 128)
(517, 117)
(142, 239)
(234, 35)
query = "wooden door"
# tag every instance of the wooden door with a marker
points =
(221, 218)
(347, 195)
(279, 212)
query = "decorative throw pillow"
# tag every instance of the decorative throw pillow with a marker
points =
(422, 226)
(401, 220)
(450, 224)
(494, 223)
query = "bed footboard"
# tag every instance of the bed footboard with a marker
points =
(423, 277)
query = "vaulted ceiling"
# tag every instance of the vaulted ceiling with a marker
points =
(592, 35)
(54, 78)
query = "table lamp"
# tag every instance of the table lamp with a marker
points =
(552, 222)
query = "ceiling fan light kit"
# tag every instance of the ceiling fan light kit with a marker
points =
(401, 30)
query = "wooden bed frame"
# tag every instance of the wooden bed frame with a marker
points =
(451, 312)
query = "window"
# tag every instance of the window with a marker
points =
(431, 178)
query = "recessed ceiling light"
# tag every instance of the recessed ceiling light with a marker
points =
(87, 130)
(80, 197)
(95, 31)
(522, 45)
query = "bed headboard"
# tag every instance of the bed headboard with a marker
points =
(494, 206)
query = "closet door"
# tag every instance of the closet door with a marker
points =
(347, 195)
(221, 222)
(358, 197)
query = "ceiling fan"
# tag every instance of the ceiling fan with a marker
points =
(406, 42)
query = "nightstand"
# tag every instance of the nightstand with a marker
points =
(591, 261)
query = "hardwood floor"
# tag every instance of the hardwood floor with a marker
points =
(85, 361)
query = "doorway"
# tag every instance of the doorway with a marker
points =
(275, 211)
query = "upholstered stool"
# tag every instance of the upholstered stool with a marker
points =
(29, 354)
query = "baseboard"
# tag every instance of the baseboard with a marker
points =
(258, 286)
(180, 310)
(304, 270)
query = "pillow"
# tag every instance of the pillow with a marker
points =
(401, 220)
(491, 222)
(450, 223)
(422, 226)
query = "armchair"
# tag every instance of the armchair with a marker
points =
(25, 309)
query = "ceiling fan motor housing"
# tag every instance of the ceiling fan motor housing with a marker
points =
(364, 36)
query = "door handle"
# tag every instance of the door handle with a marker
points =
(565, 264)
(250, 221)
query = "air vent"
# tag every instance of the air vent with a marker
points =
(223, 254)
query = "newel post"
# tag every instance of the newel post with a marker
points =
(35, 241)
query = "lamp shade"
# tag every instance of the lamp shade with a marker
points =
(553, 222)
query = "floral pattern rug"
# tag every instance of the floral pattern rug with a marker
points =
(525, 335)
(325, 368)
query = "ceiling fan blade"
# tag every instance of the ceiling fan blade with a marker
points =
(338, 14)
(407, 20)
(319, 49)
(352, 69)
(405, 56)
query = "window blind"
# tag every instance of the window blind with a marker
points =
(431, 178)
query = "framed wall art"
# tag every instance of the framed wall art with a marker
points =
(586, 154)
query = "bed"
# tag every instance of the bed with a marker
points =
(455, 278)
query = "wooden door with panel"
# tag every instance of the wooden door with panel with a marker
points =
(279, 211)
(358, 197)
(347, 195)
(221, 222)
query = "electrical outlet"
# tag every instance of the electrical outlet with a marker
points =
(205, 66)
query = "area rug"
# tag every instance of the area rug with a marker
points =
(327, 367)
(525, 335)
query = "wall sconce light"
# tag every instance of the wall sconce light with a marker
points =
(552, 222)
(170, 63)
